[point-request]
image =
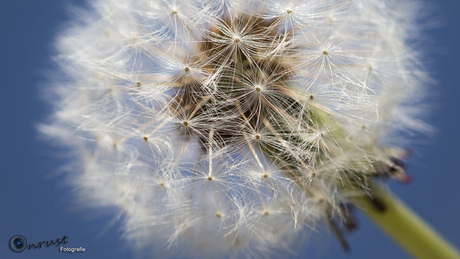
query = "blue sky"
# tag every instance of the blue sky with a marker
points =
(36, 204)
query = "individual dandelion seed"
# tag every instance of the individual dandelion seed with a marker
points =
(234, 127)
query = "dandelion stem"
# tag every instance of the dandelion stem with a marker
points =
(406, 228)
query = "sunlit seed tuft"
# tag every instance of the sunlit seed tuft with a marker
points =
(269, 115)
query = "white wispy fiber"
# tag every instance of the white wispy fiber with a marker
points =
(234, 127)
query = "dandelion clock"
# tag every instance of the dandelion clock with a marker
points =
(239, 128)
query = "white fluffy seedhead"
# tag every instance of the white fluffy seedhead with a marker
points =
(234, 126)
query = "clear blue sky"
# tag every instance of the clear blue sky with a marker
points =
(37, 205)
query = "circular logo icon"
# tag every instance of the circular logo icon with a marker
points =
(18, 243)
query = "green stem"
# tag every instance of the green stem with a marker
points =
(406, 228)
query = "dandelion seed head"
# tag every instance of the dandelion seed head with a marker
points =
(234, 126)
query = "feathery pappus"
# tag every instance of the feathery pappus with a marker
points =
(235, 127)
